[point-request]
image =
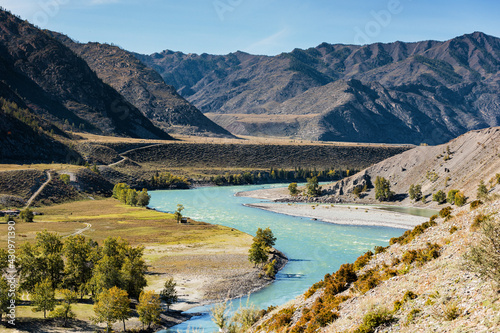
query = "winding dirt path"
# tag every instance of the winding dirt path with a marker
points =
(79, 231)
(33, 197)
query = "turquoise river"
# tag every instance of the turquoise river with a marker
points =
(314, 248)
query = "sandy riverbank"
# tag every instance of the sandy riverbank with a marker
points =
(346, 214)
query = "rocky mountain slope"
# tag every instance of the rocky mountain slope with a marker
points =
(428, 91)
(421, 283)
(144, 88)
(460, 164)
(58, 86)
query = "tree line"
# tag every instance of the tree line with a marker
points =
(279, 175)
(131, 197)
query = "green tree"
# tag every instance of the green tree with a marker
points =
(26, 215)
(415, 192)
(43, 297)
(149, 308)
(4, 297)
(270, 269)
(292, 188)
(64, 311)
(119, 265)
(78, 269)
(4, 260)
(169, 293)
(43, 259)
(383, 189)
(131, 198)
(460, 199)
(482, 191)
(439, 197)
(120, 192)
(132, 272)
(313, 188)
(266, 236)
(178, 214)
(106, 273)
(95, 169)
(112, 305)
(65, 178)
(258, 254)
(143, 198)
(451, 196)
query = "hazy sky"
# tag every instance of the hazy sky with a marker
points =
(256, 26)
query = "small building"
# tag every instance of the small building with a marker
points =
(184, 220)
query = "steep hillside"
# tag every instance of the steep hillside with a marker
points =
(144, 88)
(57, 85)
(25, 137)
(420, 283)
(460, 164)
(428, 91)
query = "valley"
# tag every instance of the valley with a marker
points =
(197, 192)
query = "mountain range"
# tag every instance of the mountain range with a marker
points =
(423, 92)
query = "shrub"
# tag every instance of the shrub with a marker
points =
(363, 260)
(445, 212)
(484, 257)
(453, 229)
(451, 311)
(374, 319)
(26, 215)
(431, 251)
(64, 178)
(408, 235)
(379, 249)
(482, 191)
(475, 204)
(411, 315)
(478, 220)
(292, 189)
(357, 190)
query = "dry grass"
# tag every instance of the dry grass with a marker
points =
(40, 167)
(240, 140)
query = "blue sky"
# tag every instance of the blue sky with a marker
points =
(256, 26)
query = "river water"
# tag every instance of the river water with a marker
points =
(313, 247)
